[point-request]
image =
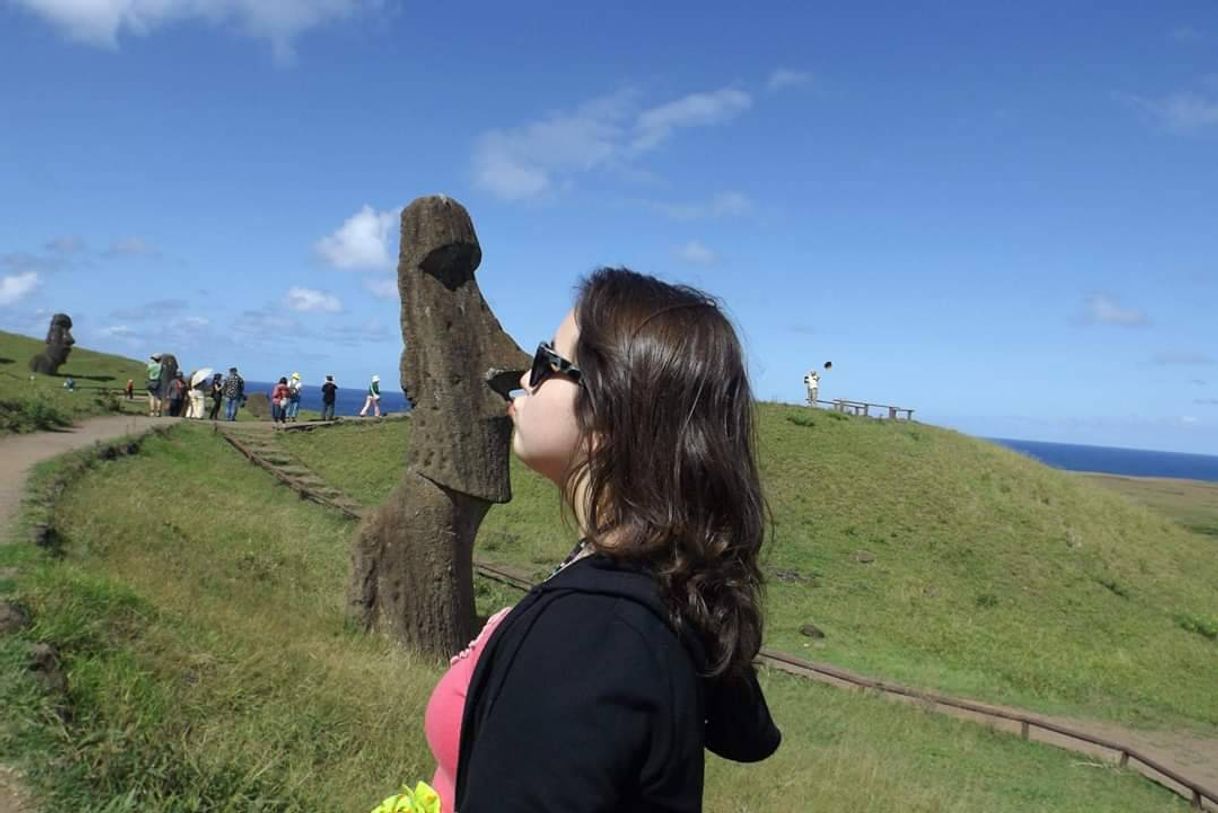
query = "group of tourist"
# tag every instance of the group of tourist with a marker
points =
(201, 394)
(172, 394)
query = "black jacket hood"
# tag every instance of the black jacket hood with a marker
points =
(738, 722)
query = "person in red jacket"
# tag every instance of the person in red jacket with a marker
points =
(601, 689)
(279, 401)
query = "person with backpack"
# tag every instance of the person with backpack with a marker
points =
(154, 386)
(329, 392)
(293, 404)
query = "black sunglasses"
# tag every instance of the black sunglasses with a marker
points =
(546, 363)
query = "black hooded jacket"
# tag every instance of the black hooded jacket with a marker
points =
(585, 700)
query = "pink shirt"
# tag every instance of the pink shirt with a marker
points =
(442, 720)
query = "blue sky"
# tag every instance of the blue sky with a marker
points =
(1001, 215)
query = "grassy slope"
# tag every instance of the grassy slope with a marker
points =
(1192, 503)
(22, 400)
(199, 610)
(993, 576)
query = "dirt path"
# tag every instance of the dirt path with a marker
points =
(18, 456)
(20, 453)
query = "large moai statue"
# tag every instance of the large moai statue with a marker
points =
(412, 560)
(59, 345)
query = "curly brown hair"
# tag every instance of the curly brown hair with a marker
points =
(669, 474)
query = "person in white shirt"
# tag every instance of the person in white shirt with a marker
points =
(812, 382)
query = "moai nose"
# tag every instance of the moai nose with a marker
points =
(503, 382)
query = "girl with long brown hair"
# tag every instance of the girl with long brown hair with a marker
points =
(601, 688)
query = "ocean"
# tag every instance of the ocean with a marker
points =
(1112, 460)
(349, 400)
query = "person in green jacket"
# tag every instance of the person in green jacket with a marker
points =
(154, 385)
(374, 398)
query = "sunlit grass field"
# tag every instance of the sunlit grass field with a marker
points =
(199, 612)
(926, 557)
(1192, 503)
(41, 402)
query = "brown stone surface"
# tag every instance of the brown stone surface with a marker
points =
(412, 560)
(454, 347)
(59, 345)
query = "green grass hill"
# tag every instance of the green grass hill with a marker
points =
(29, 404)
(930, 558)
(197, 606)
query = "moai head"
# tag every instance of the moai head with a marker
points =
(59, 345)
(59, 339)
(458, 365)
(169, 371)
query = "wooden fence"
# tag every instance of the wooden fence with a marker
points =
(863, 408)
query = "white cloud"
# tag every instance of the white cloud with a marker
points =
(654, 126)
(723, 204)
(16, 287)
(1104, 310)
(696, 253)
(117, 332)
(196, 321)
(383, 288)
(531, 160)
(307, 299)
(518, 163)
(361, 242)
(100, 22)
(1181, 112)
(787, 78)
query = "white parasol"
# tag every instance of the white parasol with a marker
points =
(200, 376)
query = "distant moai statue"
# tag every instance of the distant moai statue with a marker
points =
(169, 371)
(59, 345)
(412, 559)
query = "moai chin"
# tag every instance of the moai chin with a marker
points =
(412, 560)
(59, 346)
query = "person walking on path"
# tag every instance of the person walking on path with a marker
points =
(374, 398)
(812, 382)
(154, 385)
(328, 392)
(293, 406)
(234, 394)
(216, 391)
